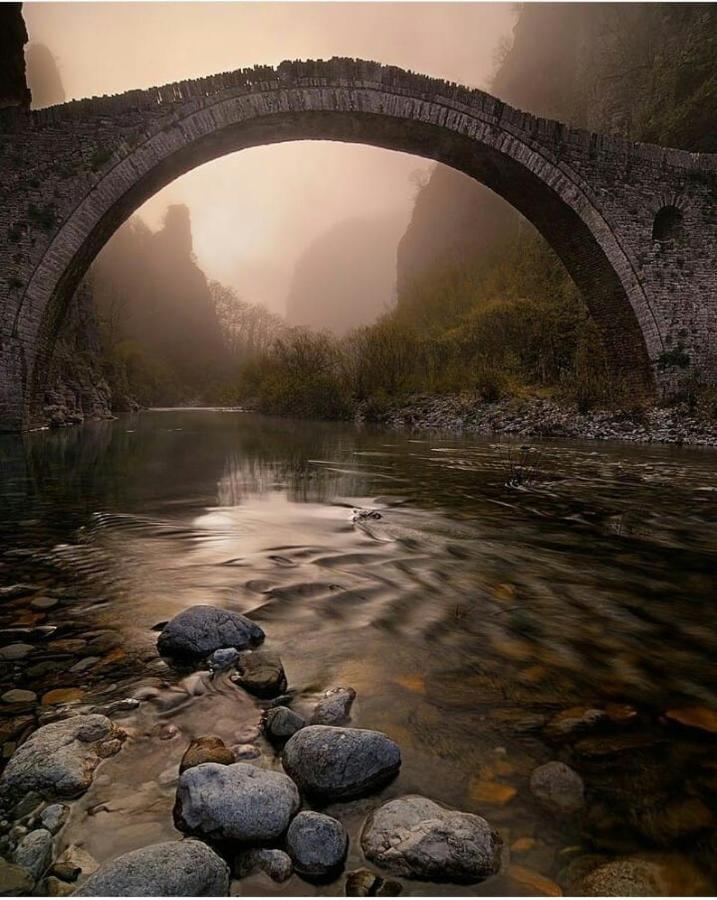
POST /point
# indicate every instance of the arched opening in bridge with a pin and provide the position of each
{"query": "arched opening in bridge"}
(335, 266)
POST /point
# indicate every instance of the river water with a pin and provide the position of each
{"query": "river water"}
(498, 586)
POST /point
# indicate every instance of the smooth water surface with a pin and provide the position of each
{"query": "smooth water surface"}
(498, 587)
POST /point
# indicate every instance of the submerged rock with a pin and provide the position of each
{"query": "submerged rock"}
(558, 787)
(281, 723)
(15, 881)
(326, 761)
(417, 838)
(261, 673)
(629, 877)
(208, 749)
(239, 802)
(317, 844)
(186, 868)
(275, 863)
(76, 860)
(200, 630)
(59, 759)
(365, 883)
(34, 852)
(334, 708)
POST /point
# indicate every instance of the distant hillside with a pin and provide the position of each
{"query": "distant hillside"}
(346, 277)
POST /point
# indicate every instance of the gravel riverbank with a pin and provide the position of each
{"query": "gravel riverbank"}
(539, 418)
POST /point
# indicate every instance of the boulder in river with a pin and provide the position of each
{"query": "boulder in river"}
(261, 673)
(186, 868)
(558, 788)
(338, 763)
(317, 844)
(209, 748)
(334, 708)
(417, 838)
(59, 759)
(239, 802)
(200, 630)
(280, 723)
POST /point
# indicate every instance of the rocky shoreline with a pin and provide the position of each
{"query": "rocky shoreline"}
(540, 418)
(259, 806)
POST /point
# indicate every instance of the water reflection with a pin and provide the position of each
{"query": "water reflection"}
(496, 588)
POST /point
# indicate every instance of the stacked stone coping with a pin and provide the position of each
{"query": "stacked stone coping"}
(341, 72)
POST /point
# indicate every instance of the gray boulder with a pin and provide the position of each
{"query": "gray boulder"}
(34, 852)
(417, 838)
(53, 817)
(223, 658)
(334, 708)
(200, 630)
(238, 802)
(558, 788)
(317, 844)
(338, 763)
(275, 863)
(185, 868)
(59, 759)
(281, 722)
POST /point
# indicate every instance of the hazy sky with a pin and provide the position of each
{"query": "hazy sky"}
(255, 211)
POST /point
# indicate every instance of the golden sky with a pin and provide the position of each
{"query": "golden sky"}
(254, 212)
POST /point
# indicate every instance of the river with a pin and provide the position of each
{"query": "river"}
(497, 586)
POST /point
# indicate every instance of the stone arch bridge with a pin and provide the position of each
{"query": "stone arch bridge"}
(635, 224)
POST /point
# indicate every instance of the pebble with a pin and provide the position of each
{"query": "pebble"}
(44, 602)
(275, 863)
(223, 658)
(15, 881)
(334, 708)
(207, 749)
(316, 843)
(54, 816)
(85, 663)
(558, 788)
(18, 695)
(281, 722)
(16, 651)
(261, 673)
(246, 751)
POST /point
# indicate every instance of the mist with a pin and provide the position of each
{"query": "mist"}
(255, 213)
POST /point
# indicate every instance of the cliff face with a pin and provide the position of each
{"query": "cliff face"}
(346, 278)
(13, 37)
(646, 71)
(43, 77)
